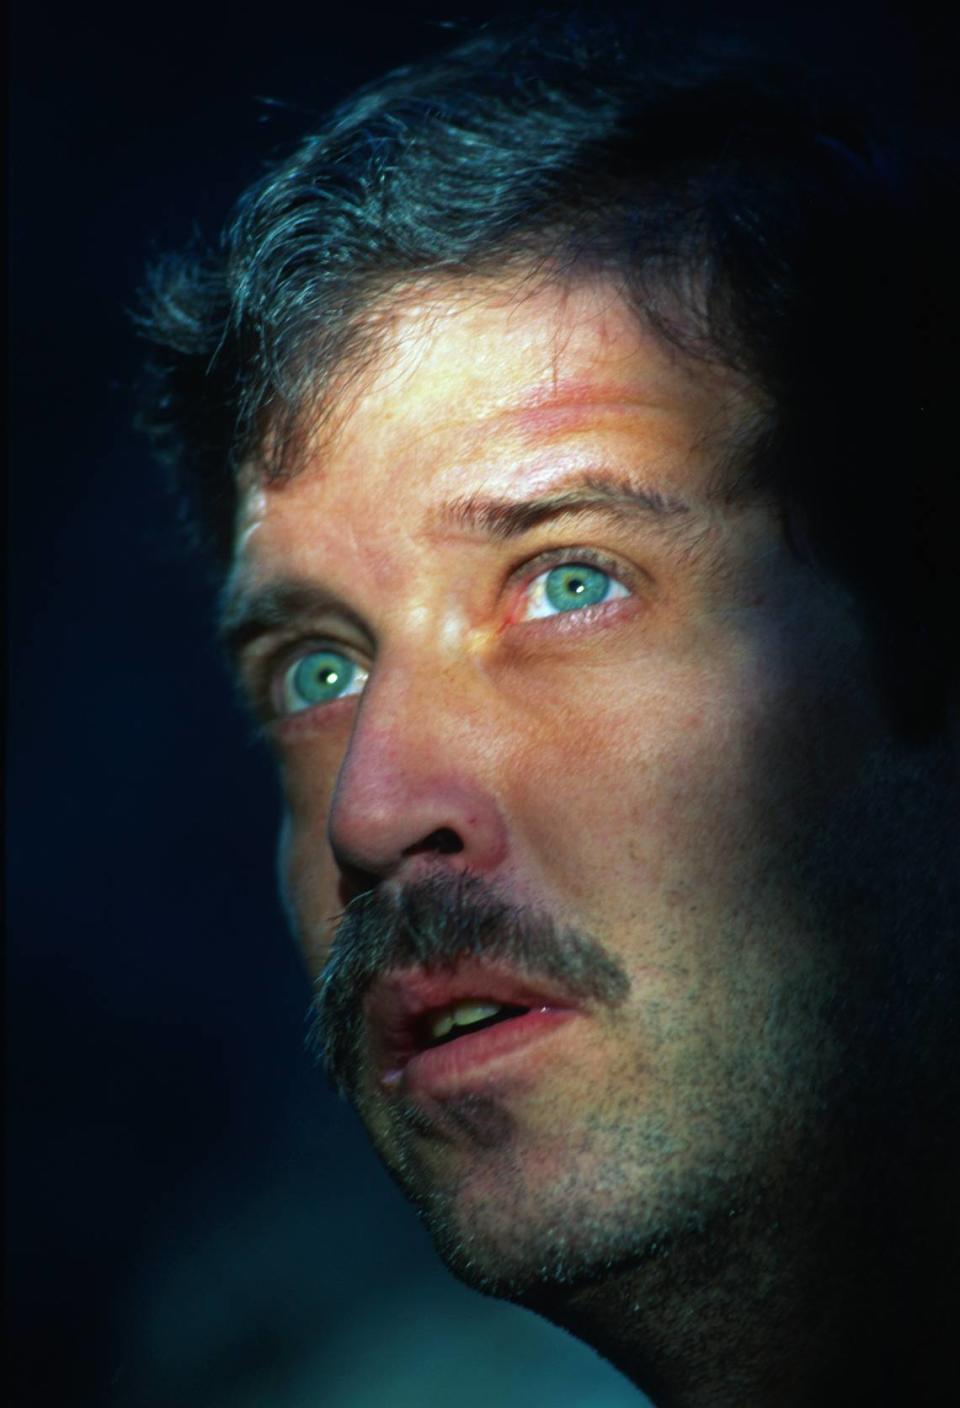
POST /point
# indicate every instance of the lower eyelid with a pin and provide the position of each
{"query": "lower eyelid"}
(571, 630)
(311, 717)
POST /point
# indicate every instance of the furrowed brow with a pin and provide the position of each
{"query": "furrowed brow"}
(502, 519)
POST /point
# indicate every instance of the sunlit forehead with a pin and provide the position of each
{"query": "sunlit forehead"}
(475, 362)
(482, 406)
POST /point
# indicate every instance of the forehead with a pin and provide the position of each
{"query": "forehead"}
(474, 384)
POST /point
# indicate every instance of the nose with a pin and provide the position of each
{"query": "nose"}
(411, 796)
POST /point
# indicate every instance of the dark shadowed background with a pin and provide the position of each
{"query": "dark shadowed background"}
(192, 1219)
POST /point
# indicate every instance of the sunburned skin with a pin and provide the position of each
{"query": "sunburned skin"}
(675, 752)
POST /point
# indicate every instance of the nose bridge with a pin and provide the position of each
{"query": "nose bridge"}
(415, 775)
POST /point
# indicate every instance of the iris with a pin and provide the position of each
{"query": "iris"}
(576, 584)
(319, 677)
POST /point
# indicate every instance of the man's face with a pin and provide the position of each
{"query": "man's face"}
(629, 711)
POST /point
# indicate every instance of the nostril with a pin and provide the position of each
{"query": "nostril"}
(443, 842)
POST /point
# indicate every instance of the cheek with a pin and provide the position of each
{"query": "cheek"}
(308, 877)
(675, 786)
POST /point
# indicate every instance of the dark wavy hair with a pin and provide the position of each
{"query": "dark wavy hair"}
(791, 220)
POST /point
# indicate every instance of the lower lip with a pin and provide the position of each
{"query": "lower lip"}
(445, 1070)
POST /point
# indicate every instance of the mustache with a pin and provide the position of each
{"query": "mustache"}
(432, 923)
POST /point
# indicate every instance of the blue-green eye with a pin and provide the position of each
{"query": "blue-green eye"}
(570, 587)
(318, 678)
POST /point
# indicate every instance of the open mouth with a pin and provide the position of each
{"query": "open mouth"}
(444, 1025)
(457, 1019)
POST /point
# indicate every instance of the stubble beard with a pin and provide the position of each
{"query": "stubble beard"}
(673, 1168)
(742, 1149)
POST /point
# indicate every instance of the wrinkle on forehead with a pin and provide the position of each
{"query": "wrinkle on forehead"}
(530, 330)
(472, 359)
(398, 330)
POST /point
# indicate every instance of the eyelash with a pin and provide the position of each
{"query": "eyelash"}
(273, 669)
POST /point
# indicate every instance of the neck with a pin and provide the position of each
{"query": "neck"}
(849, 1302)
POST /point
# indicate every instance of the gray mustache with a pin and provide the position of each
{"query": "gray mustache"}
(433, 923)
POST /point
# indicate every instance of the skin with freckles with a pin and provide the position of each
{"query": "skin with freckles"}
(685, 759)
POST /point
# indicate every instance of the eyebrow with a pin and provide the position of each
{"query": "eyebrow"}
(502, 519)
(247, 613)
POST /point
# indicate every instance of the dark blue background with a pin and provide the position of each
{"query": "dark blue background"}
(192, 1218)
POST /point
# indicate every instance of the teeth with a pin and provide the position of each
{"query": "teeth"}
(462, 1014)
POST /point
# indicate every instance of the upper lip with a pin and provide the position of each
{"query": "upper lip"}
(397, 1003)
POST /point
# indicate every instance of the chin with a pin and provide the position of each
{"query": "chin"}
(506, 1231)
